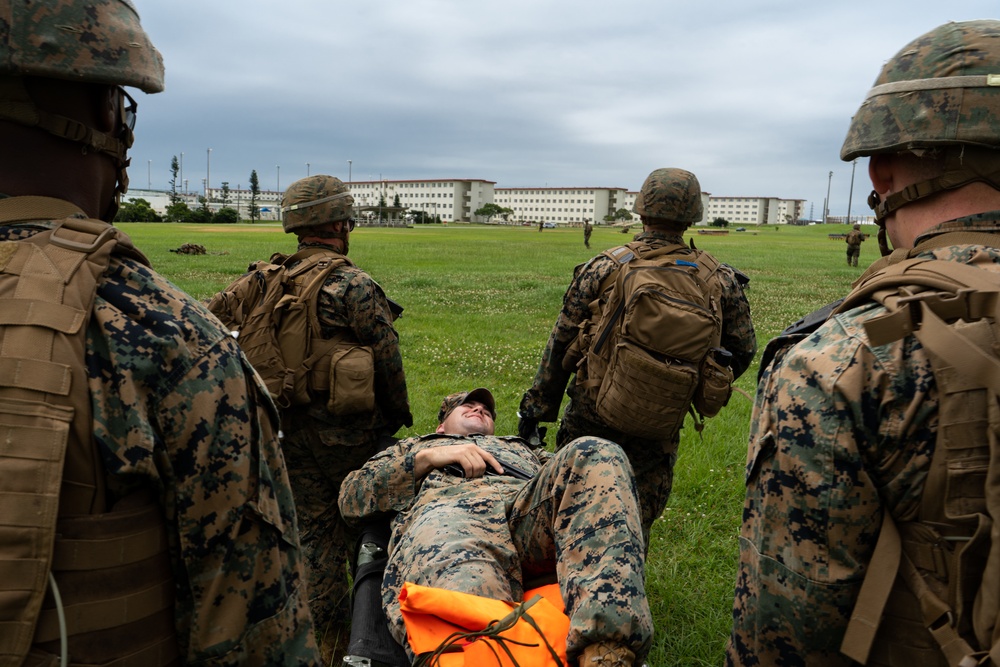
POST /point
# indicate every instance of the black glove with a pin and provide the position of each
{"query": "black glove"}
(527, 430)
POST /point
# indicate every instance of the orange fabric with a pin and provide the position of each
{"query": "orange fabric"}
(431, 615)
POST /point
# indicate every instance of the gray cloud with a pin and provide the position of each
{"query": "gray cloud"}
(754, 97)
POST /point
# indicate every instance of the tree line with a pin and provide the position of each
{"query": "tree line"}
(140, 210)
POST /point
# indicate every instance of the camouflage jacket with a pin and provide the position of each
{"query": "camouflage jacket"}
(840, 430)
(351, 300)
(386, 484)
(176, 408)
(542, 400)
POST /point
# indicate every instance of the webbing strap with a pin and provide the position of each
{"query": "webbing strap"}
(105, 614)
(31, 312)
(73, 554)
(874, 593)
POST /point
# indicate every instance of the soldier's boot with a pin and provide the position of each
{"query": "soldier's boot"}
(603, 654)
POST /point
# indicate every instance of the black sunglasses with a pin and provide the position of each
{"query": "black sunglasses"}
(128, 107)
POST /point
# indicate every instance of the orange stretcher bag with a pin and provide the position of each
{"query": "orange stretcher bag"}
(452, 629)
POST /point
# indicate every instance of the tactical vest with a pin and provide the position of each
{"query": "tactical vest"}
(932, 589)
(273, 312)
(76, 578)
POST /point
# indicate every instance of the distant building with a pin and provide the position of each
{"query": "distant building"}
(754, 210)
(454, 200)
(268, 201)
(457, 200)
(563, 205)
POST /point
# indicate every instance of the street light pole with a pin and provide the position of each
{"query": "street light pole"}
(349, 179)
(307, 169)
(826, 206)
(208, 172)
(182, 172)
(277, 168)
(149, 178)
(850, 196)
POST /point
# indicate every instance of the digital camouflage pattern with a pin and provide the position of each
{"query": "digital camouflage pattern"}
(577, 518)
(321, 448)
(898, 116)
(670, 194)
(840, 429)
(99, 41)
(652, 460)
(177, 409)
(315, 200)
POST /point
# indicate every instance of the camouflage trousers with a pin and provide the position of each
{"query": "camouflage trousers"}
(577, 518)
(316, 468)
(853, 253)
(652, 462)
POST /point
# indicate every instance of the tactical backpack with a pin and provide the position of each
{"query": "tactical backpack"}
(650, 352)
(932, 589)
(272, 312)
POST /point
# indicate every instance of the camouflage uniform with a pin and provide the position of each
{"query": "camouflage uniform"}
(588, 229)
(577, 517)
(844, 431)
(176, 409)
(839, 430)
(652, 460)
(320, 448)
(854, 240)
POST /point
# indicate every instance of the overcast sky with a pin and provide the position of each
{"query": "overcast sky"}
(753, 96)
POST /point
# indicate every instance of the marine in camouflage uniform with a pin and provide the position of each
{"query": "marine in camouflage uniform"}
(843, 430)
(854, 240)
(178, 415)
(669, 202)
(321, 447)
(588, 229)
(489, 534)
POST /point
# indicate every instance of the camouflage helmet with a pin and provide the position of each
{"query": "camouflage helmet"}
(670, 194)
(315, 200)
(941, 90)
(97, 41)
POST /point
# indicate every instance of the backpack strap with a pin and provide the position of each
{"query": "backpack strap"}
(921, 296)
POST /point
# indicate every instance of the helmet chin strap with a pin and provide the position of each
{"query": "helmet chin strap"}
(16, 105)
(876, 204)
(957, 172)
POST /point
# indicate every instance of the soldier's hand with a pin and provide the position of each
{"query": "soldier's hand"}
(472, 458)
(526, 428)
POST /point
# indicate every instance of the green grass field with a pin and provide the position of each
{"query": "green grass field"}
(480, 302)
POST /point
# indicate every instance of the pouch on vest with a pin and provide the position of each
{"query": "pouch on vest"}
(352, 380)
(715, 385)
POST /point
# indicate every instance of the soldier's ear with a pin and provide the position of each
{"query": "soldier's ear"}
(882, 171)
